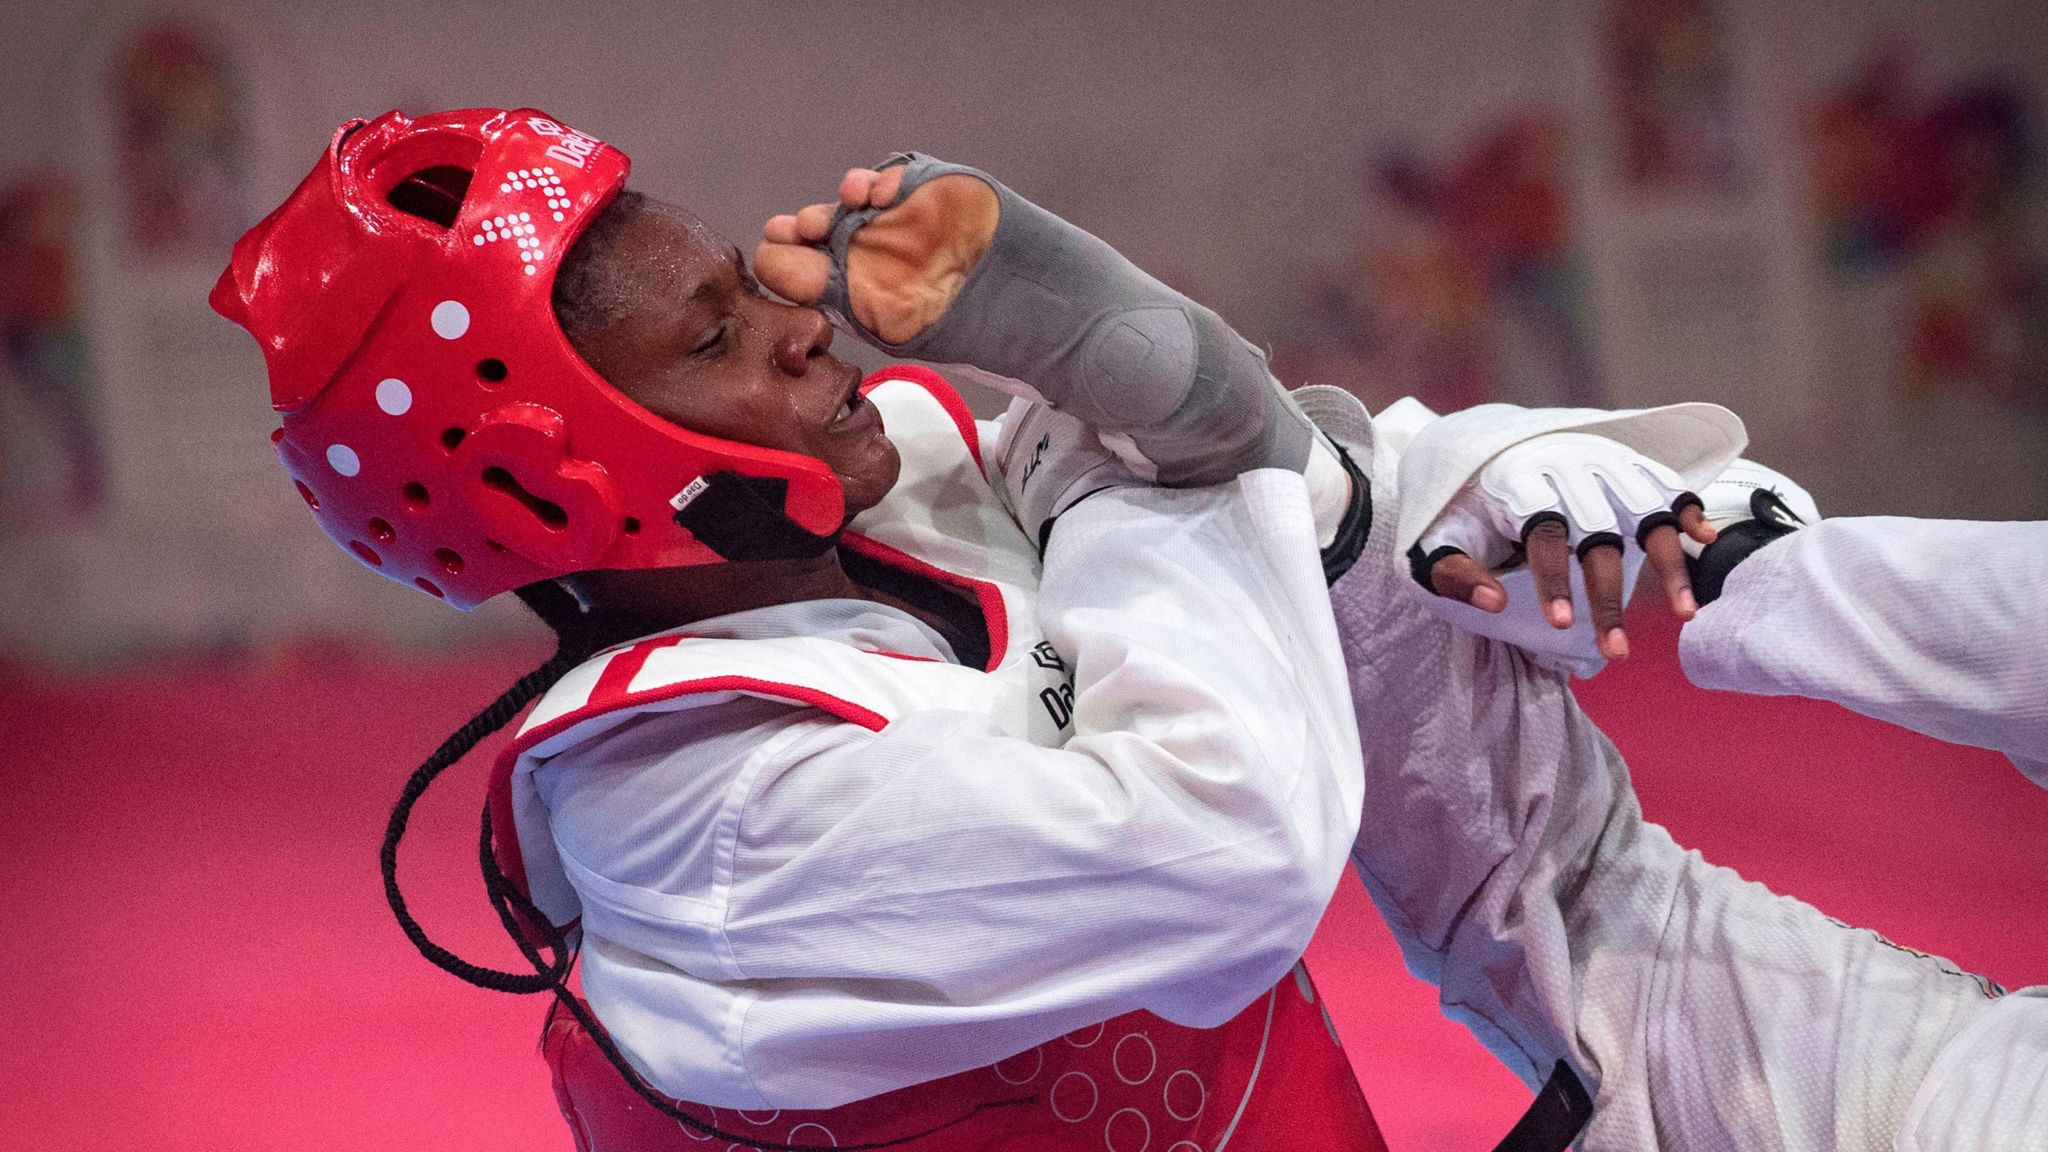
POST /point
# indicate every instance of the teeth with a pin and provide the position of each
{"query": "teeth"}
(846, 410)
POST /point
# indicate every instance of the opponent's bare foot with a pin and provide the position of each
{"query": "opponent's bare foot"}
(903, 268)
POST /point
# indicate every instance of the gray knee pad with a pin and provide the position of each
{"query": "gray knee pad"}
(1054, 314)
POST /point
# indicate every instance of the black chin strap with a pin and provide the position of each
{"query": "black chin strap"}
(744, 518)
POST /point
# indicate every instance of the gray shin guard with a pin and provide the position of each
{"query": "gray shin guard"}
(1055, 314)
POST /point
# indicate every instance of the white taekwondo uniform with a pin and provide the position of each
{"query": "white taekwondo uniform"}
(934, 867)
(1505, 847)
(1940, 626)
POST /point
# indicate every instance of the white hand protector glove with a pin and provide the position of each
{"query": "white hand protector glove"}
(1601, 490)
(1480, 481)
(1749, 505)
(1050, 462)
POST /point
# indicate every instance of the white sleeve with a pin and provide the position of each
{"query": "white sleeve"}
(862, 911)
(1940, 626)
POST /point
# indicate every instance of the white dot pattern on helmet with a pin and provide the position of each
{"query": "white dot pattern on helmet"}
(394, 396)
(1083, 1037)
(763, 1118)
(343, 459)
(450, 319)
(811, 1134)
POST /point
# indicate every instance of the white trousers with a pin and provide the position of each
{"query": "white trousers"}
(1503, 843)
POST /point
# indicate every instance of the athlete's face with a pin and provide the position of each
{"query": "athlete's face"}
(693, 339)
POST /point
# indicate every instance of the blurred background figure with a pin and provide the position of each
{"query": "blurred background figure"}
(1831, 217)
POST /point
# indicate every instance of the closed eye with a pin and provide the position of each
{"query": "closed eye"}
(716, 337)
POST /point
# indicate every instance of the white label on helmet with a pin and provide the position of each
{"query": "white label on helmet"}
(691, 491)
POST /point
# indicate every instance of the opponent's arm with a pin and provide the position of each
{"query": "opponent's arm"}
(1934, 625)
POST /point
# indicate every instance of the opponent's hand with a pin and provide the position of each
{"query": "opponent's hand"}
(1556, 498)
(903, 268)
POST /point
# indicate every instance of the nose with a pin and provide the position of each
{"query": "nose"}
(804, 333)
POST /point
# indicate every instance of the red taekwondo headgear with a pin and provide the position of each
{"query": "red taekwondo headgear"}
(435, 418)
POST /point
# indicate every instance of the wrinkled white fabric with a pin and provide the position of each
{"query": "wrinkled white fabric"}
(1988, 1092)
(1940, 626)
(1505, 847)
(781, 910)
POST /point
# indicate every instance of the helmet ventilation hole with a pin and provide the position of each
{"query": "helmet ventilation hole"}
(306, 494)
(432, 194)
(495, 547)
(449, 559)
(491, 370)
(552, 516)
(381, 530)
(415, 494)
(428, 586)
(368, 553)
(276, 434)
(451, 438)
(631, 527)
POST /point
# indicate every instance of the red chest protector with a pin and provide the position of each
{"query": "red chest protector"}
(1273, 1078)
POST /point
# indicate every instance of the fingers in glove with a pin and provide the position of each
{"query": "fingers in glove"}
(1659, 539)
(1600, 559)
(796, 272)
(814, 222)
(868, 188)
(1692, 518)
(1547, 542)
(1460, 577)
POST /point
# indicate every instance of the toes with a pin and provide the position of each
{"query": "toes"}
(795, 272)
(781, 230)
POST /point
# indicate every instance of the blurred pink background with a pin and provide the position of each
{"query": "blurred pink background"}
(1829, 216)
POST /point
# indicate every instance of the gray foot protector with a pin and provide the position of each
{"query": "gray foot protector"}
(1058, 315)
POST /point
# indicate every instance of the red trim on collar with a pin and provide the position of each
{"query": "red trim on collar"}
(994, 613)
(940, 391)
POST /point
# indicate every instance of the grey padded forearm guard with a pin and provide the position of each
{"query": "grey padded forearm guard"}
(1058, 315)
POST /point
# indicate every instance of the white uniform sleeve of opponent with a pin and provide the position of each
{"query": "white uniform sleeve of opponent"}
(1504, 846)
(823, 913)
(1940, 626)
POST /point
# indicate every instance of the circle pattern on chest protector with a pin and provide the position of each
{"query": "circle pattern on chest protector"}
(1068, 1095)
(1127, 1131)
(1125, 1058)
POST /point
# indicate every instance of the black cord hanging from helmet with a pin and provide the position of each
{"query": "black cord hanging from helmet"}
(553, 958)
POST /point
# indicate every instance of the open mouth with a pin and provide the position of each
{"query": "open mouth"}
(853, 404)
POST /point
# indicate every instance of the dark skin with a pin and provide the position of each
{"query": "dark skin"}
(906, 266)
(699, 344)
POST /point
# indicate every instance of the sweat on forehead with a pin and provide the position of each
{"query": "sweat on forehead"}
(638, 251)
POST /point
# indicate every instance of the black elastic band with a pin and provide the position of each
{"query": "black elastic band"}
(1349, 543)
(1651, 523)
(1530, 525)
(1554, 1119)
(1421, 563)
(1597, 540)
